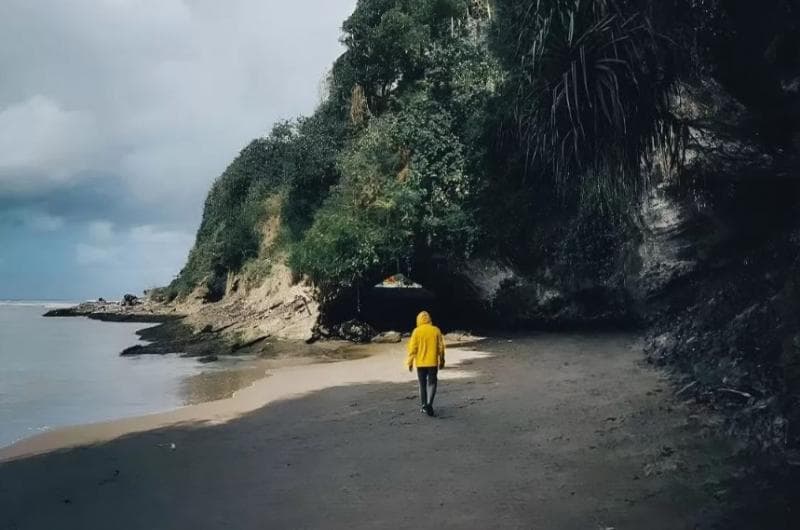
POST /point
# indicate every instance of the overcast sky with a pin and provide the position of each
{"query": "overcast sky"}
(116, 115)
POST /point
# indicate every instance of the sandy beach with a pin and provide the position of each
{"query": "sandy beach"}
(288, 378)
(546, 431)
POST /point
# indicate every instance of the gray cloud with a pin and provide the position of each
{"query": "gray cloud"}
(160, 92)
(124, 111)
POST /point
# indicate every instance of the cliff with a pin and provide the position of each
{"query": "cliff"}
(529, 169)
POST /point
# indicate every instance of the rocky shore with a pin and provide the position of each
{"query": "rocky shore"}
(171, 334)
(118, 312)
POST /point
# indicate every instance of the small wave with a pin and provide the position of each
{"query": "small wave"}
(30, 432)
(48, 304)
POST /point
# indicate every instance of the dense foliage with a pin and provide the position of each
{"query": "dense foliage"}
(387, 170)
(590, 89)
(459, 128)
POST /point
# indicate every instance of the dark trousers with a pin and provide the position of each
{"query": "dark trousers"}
(427, 384)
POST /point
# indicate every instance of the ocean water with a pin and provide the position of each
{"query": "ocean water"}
(64, 371)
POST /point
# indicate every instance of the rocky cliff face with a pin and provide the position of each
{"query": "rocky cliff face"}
(276, 307)
(711, 270)
(720, 269)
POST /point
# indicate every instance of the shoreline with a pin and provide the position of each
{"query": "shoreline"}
(538, 431)
(367, 363)
(166, 331)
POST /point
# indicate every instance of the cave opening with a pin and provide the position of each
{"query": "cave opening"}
(393, 304)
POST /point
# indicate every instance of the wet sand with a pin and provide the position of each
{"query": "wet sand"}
(280, 378)
(545, 432)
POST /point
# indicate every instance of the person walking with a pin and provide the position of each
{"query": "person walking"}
(426, 351)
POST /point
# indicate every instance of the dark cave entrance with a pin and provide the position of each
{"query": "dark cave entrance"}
(394, 303)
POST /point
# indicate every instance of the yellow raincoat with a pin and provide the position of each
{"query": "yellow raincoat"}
(426, 346)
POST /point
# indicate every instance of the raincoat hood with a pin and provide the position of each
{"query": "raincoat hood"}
(423, 318)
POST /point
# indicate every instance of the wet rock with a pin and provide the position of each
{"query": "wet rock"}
(133, 350)
(60, 312)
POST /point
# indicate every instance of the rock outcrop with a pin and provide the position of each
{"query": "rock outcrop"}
(720, 264)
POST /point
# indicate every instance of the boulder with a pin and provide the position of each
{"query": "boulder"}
(387, 337)
(130, 300)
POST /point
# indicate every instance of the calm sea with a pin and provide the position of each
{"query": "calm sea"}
(64, 371)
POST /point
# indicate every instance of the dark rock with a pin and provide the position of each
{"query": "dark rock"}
(61, 312)
(130, 300)
(133, 350)
(320, 332)
(355, 331)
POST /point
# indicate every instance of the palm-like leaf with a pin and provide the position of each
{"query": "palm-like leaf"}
(592, 92)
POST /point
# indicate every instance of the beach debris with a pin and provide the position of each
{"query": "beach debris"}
(387, 337)
(733, 391)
